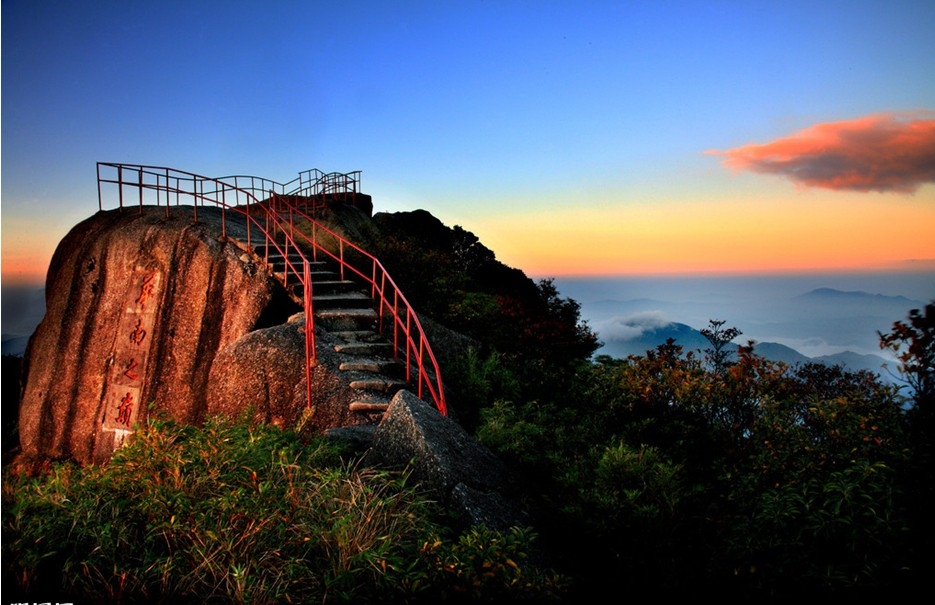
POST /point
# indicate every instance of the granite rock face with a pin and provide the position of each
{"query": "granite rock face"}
(262, 375)
(458, 471)
(138, 304)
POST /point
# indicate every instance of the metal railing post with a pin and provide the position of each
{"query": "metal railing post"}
(195, 187)
(224, 212)
(315, 242)
(421, 365)
(311, 351)
(100, 202)
(408, 345)
(168, 193)
(140, 185)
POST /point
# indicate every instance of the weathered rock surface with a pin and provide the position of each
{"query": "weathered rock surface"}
(137, 306)
(457, 471)
(263, 374)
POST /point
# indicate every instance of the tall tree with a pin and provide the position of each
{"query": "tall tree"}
(719, 337)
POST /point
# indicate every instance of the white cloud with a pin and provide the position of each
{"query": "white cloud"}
(631, 326)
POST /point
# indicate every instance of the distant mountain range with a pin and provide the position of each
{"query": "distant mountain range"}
(14, 345)
(22, 309)
(837, 303)
(840, 318)
(692, 340)
(855, 296)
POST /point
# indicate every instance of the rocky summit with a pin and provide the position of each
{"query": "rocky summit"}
(173, 315)
(155, 314)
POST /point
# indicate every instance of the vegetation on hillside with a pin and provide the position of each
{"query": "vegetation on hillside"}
(664, 474)
(226, 513)
(731, 474)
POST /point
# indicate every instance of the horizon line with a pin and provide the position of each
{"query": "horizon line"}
(922, 268)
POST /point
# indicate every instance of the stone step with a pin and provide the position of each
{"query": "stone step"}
(332, 286)
(366, 313)
(380, 349)
(360, 336)
(344, 300)
(382, 384)
(345, 320)
(323, 275)
(322, 287)
(363, 406)
(388, 368)
(276, 259)
(274, 253)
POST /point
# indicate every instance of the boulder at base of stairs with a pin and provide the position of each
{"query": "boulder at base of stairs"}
(453, 467)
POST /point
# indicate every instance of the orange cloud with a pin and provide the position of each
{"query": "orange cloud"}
(881, 152)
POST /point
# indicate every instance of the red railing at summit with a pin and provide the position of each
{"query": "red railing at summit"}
(405, 329)
(271, 211)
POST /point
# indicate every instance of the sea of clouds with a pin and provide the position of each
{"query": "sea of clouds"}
(814, 314)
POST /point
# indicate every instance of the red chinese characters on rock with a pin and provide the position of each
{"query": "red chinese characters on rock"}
(125, 390)
(138, 335)
(147, 290)
(125, 410)
(129, 369)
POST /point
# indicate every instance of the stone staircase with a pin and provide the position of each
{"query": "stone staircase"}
(346, 311)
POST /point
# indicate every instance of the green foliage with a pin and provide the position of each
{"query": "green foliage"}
(524, 435)
(634, 489)
(228, 513)
(913, 342)
(489, 566)
(481, 380)
(755, 480)
(747, 478)
(829, 531)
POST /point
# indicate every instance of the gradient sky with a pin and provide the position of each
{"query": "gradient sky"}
(570, 137)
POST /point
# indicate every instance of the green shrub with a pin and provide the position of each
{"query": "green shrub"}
(225, 513)
(634, 488)
(489, 566)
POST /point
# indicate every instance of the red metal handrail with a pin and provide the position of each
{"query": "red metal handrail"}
(243, 194)
(315, 182)
(391, 299)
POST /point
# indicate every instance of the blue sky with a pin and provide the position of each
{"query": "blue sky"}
(571, 137)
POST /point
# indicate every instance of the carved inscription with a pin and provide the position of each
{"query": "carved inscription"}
(131, 350)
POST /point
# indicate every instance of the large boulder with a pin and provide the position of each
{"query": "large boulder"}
(455, 469)
(138, 303)
(261, 377)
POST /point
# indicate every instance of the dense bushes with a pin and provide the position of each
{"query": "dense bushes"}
(758, 480)
(667, 472)
(226, 513)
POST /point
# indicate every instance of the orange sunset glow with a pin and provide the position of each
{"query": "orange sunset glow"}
(809, 231)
